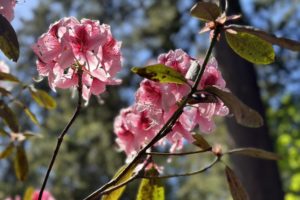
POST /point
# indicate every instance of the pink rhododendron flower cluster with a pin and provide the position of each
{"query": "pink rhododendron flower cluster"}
(46, 195)
(7, 9)
(156, 102)
(69, 45)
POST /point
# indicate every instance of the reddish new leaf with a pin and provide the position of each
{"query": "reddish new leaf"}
(236, 188)
(201, 142)
(253, 152)
(243, 114)
(206, 11)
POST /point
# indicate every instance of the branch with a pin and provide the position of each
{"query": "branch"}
(166, 128)
(135, 176)
(178, 154)
(63, 133)
(186, 174)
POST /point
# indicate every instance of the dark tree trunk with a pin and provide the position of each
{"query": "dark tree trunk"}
(261, 178)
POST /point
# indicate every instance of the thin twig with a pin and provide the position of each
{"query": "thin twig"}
(178, 154)
(135, 176)
(63, 133)
(165, 129)
(185, 174)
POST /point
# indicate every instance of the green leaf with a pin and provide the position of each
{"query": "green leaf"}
(29, 134)
(206, 11)
(251, 47)
(7, 151)
(283, 42)
(8, 40)
(31, 116)
(8, 77)
(43, 99)
(236, 188)
(253, 152)
(243, 114)
(116, 194)
(4, 92)
(201, 142)
(28, 193)
(150, 189)
(9, 117)
(160, 73)
(21, 164)
(3, 132)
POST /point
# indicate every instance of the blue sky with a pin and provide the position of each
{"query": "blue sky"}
(23, 9)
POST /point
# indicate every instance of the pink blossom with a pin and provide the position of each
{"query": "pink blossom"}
(5, 69)
(46, 195)
(70, 45)
(7, 8)
(157, 102)
(151, 96)
(133, 129)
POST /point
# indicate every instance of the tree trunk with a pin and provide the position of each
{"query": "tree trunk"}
(260, 177)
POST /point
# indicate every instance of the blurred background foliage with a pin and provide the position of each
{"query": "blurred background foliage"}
(88, 157)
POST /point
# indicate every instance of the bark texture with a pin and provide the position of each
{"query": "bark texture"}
(261, 178)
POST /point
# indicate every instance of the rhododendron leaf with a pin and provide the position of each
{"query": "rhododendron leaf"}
(201, 142)
(9, 117)
(160, 73)
(7, 151)
(243, 114)
(283, 42)
(29, 134)
(3, 132)
(4, 92)
(31, 116)
(43, 99)
(8, 40)
(251, 47)
(21, 163)
(236, 188)
(151, 189)
(8, 77)
(116, 194)
(253, 152)
(28, 193)
(206, 11)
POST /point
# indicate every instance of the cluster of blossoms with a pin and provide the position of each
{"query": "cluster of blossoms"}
(46, 196)
(7, 8)
(71, 46)
(156, 102)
